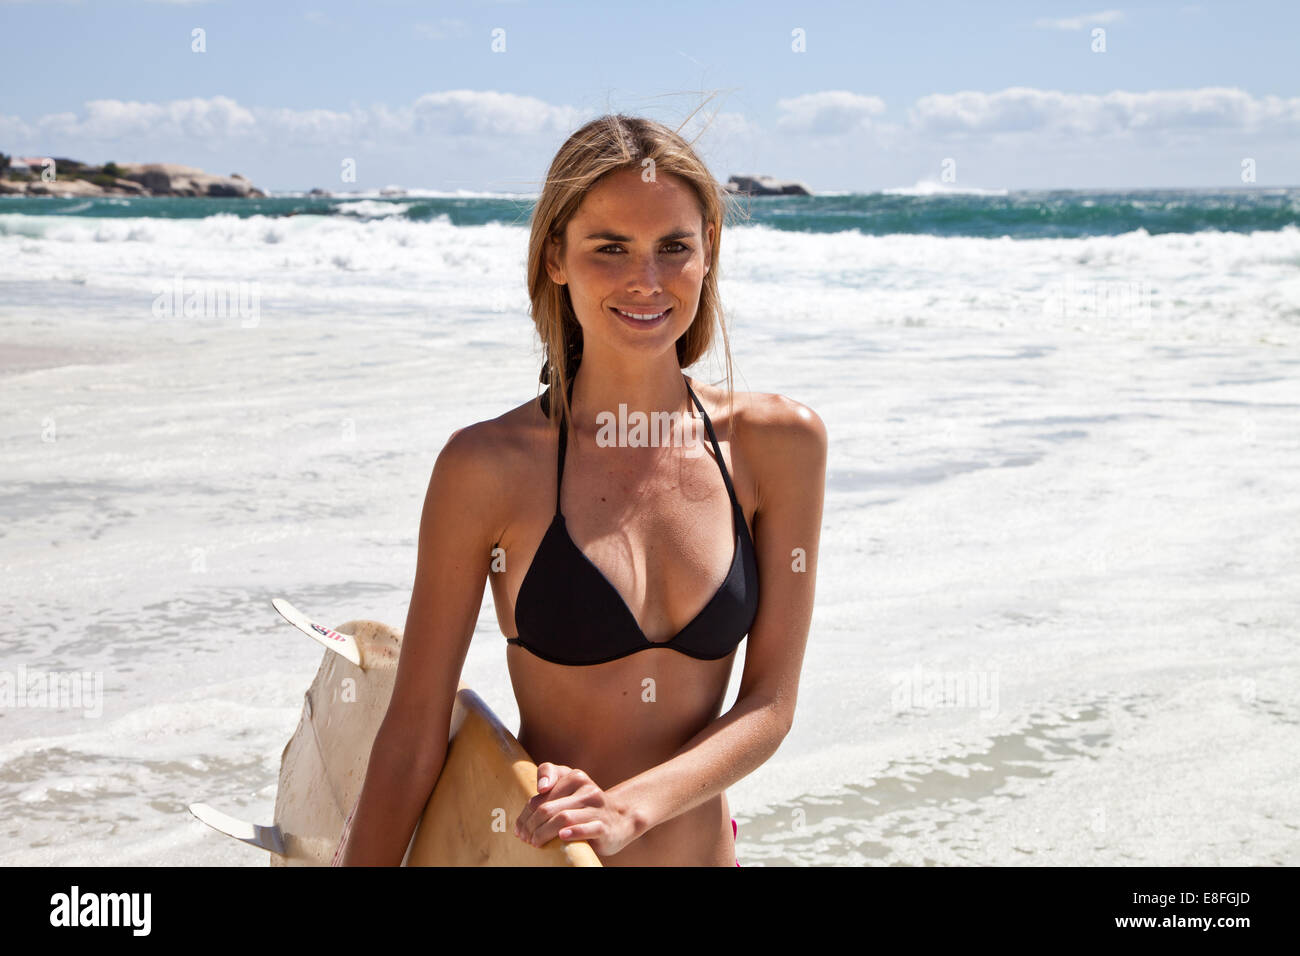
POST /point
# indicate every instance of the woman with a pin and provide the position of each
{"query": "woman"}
(624, 575)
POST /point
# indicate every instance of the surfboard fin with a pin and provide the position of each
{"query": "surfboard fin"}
(343, 644)
(266, 838)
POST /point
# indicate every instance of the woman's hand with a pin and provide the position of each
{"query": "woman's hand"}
(570, 805)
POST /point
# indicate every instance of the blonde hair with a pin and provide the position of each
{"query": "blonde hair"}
(602, 146)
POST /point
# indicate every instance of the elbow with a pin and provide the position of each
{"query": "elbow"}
(775, 716)
(418, 769)
(407, 776)
(780, 715)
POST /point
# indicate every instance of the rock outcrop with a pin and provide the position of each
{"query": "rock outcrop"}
(169, 179)
(72, 178)
(765, 186)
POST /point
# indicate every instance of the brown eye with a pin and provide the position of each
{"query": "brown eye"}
(683, 247)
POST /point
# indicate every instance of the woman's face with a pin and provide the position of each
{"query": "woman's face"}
(634, 246)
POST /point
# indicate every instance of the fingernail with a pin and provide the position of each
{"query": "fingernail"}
(544, 781)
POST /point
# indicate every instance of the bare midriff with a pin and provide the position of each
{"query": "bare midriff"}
(618, 719)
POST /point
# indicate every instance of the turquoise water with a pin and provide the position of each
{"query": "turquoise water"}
(1018, 214)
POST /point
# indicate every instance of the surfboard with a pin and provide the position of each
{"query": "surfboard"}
(486, 779)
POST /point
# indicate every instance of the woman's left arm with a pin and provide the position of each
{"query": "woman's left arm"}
(787, 442)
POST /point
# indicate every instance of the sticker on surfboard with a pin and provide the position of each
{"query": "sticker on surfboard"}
(343, 644)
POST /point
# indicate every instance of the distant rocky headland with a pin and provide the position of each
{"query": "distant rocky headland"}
(766, 186)
(28, 176)
(52, 176)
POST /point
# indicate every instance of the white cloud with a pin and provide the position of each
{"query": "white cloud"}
(1079, 22)
(313, 127)
(720, 127)
(13, 129)
(452, 113)
(104, 120)
(487, 113)
(828, 113)
(1025, 110)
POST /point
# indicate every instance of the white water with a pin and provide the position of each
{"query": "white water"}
(1091, 507)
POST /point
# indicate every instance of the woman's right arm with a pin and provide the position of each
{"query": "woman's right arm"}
(457, 530)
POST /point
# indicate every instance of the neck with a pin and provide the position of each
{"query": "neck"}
(601, 386)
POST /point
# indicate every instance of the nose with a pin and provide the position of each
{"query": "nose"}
(643, 277)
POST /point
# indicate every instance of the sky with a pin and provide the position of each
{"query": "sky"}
(841, 96)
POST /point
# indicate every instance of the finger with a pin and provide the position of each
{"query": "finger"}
(575, 816)
(568, 794)
(547, 774)
(581, 831)
(569, 782)
(525, 822)
(541, 826)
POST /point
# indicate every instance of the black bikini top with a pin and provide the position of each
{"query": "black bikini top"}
(568, 612)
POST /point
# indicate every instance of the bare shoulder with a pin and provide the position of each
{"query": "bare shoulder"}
(488, 445)
(769, 417)
(483, 460)
(782, 442)
(472, 453)
(785, 441)
(780, 421)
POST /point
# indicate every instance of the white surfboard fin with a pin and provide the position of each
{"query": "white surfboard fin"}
(266, 838)
(342, 644)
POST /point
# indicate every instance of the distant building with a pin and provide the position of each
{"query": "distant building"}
(28, 164)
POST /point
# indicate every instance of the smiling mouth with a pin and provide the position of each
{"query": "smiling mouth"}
(646, 317)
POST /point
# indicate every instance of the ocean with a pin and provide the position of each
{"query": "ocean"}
(1058, 591)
